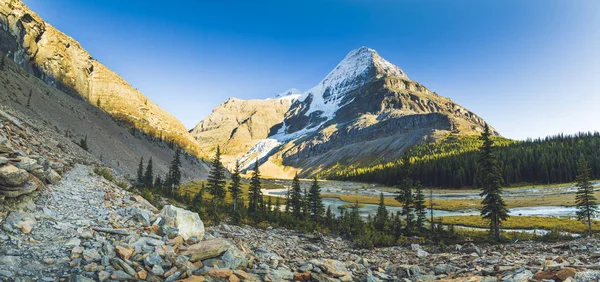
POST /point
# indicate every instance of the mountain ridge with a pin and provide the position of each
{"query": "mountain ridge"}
(365, 109)
(61, 61)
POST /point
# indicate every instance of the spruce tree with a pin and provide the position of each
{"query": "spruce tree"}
(405, 196)
(296, 197)
(255, 199)
(489, 179)
(140, 173)
(149, 175)
(431, 210)
(305, 211)
(158, 184)
(315, 204)
(198, 201)
(585, 199)
(420, 208)
(174, 174)
(216, 184)
(235, 187)
(381, 219)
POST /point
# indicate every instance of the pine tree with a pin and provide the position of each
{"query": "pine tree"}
(585, 199)
(140, 173)
(489, 179)
(431, 210)
(405, 196)
(296, 197)
(235, 187)
(174, 174)
(198, 201)
(381, 219)
(149, 175)
(158, 184)
(29, 99)
(305, 211)
(216, 184)
(420, 208)
(315, 204)
(255, 201)
(328, 217)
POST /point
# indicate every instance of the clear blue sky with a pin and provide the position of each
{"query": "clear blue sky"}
(530, 68)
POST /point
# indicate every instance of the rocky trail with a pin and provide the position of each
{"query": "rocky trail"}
(85, 228)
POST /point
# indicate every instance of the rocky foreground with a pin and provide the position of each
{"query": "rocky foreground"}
(87, 229)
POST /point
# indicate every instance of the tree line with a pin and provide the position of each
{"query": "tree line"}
(452, 163)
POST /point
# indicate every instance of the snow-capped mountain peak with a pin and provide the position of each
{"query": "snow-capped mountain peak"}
(358, 67)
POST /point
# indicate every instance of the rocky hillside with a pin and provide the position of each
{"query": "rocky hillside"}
(40, 122)
(85, 228)
(60, 61)
(365, 111)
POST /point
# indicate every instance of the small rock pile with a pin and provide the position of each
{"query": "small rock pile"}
(22, 169)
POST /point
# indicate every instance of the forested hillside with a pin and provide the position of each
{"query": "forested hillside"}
(451, 163)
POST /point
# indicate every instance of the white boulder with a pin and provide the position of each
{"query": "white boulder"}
(188, 223)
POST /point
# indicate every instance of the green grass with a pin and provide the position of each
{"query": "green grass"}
(194, 187)
(523, 222)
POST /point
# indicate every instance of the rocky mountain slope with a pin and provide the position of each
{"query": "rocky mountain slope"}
(365, 111)
(38, 121)
(60, 61)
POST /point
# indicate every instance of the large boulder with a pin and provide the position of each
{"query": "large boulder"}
(206, 249)
(31, 184)
(188, 223)
(11, 175)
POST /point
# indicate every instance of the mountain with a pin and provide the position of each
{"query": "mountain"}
(365, 111)
(49, 82)
(60, 61)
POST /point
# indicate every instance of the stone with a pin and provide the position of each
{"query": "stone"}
(52, 176)
(304, 276)
(220, 272)
(153, 259)
(11, 175)
(188, 223)
(27, 164)
(333, 267)
(73, 242)
(523, 276)
(587, 276)
(124, 252)
(140, 216)
(142, 274)
(10, 261)
(444, 269)
(32, 184)
(103, 275)
(416, 248)
(206, 249)
(194, 278)
(86, 235)
(157, 270)
(91, 255)
(120, 275)
(233, 258)
(565, 273)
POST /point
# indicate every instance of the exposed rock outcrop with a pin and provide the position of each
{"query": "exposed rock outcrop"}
(62, 62)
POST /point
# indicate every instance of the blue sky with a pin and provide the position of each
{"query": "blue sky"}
(530, 68)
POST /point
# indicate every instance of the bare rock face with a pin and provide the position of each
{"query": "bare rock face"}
(365, 111)
(12, 176)
(188, 223)
(61, 61)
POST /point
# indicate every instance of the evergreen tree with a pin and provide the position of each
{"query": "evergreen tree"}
(158, 184)
(329, 217)
(198, 202)
(29, 98)
(305, 211)
(174, 174)
(489, 179)
(296, 197)
(431, 210)
(380, 221)
(216, 184)
(405, 196)
(585, 199)
(420, 208)
(140, 173)
(149, 175)
(315, 204)
(235, 188)
(255, 201)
